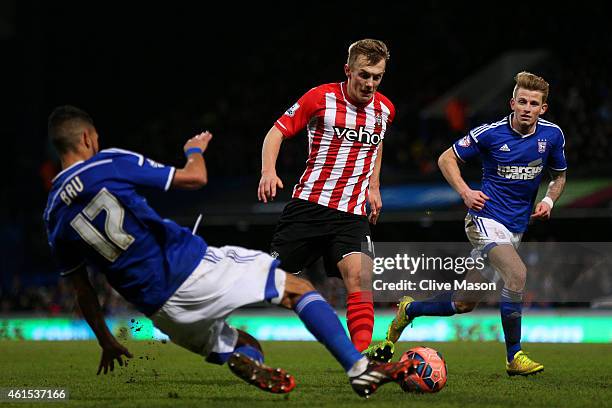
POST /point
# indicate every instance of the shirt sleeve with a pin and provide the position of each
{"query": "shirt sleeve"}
(556, 160)
(141, 171)
(466, 148)
(387, 105)
(391, 115)
(299, 114)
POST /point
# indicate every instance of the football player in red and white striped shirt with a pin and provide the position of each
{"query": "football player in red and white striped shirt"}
(326, 217)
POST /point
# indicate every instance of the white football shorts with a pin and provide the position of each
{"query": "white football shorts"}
(486, 233)
(226, 279)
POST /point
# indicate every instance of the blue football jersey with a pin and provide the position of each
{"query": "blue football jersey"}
(95, 217)
(512, 167)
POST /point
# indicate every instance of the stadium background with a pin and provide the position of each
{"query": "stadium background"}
(152, 76)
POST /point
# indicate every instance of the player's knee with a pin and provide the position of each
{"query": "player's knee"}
(295, 288)
(464, 307)
(301, 286)
(522, 274)
(518, 279)
(353, 282)
(356, 279)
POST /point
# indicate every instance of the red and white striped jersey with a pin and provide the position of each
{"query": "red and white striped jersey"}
(343, 142)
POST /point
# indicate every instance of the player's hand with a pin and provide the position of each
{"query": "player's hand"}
(110, 353)
(267, 186)
(375, 205)
(200, 141)
(474, 199)
(541, 212)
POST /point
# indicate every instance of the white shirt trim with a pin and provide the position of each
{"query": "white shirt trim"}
(535, 129)
(117, 150)
(79, 171)
(65, 170)
(457, 153)
(170, 178)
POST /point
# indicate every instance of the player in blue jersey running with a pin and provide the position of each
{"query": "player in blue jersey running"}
(514, 152)
(97, 221)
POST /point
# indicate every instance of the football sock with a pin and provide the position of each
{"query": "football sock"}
(251, 352)
(511, 306)
(221, 358)
(321, 320)
(360, 318)
(439, 305)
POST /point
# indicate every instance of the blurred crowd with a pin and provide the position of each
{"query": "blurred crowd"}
(146, 95)
(57, 298)
(581, 103)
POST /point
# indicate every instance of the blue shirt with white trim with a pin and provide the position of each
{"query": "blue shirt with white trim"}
(512, 166)
(95, 217)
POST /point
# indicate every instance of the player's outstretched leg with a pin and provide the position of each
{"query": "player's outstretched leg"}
(321, 320)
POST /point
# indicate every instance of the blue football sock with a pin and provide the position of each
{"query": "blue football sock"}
(250, 351)
(439, 305)
(511, 306)
(221, 358)
(321, 320)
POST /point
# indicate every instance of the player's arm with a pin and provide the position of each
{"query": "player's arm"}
(555, 189)
(194, 175)
(90, 308)
(374, 188)
(448, 162)
(287, 126)
(269, 154)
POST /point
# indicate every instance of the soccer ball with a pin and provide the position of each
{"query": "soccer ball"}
(430, 375)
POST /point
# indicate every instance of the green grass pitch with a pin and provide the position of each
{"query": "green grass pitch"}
(164, 375)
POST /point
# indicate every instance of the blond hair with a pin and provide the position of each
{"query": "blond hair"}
(531, 82)
(372, 50)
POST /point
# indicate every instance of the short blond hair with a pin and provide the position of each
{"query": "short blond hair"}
(372, 50)
(531, 82)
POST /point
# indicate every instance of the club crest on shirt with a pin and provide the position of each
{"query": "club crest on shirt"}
(541, 145)
(291, 111)
(378, 118)
(465, 142)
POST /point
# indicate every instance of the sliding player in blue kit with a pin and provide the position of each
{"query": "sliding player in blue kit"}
(96, 220)
(514, 153)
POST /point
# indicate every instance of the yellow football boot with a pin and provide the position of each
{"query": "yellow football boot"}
(523, 365)
(400, 321)
(381, 352)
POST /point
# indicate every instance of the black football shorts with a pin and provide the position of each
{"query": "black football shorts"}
(307, 231)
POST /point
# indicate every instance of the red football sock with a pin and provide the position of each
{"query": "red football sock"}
(360, 318)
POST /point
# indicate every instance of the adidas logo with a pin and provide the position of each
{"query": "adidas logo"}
(504, 148)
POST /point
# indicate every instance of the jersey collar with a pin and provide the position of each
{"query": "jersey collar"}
(66, 170)
(516, 131)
